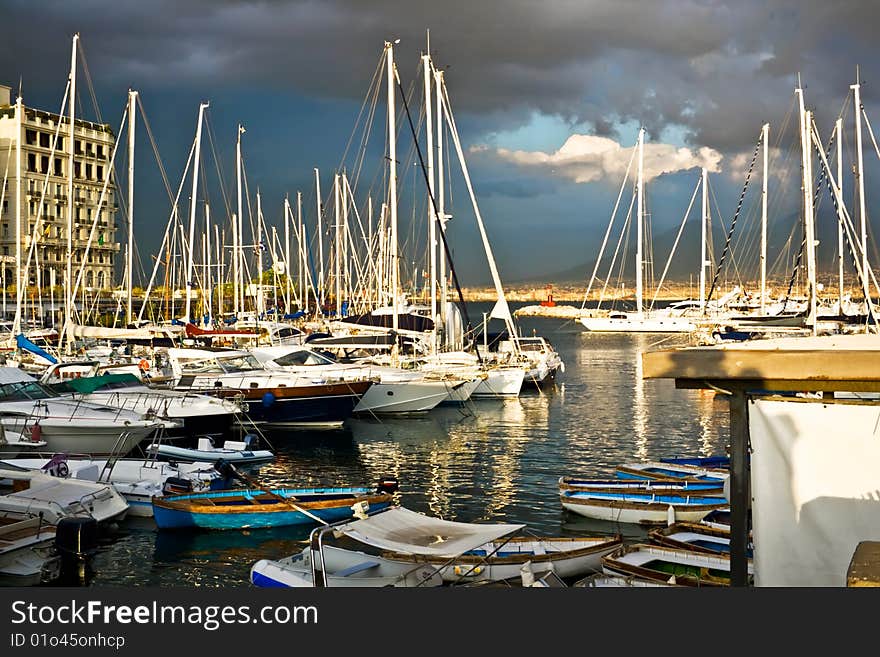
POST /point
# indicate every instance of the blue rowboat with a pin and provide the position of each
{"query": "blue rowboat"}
(643, 508)
(699, 461)
(660, 470)
(688, 486)
(260, 508)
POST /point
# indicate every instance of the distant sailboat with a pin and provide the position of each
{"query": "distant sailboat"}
(640, 321)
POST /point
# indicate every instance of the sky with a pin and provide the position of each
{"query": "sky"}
(548, 98)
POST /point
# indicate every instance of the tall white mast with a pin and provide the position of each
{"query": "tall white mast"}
(838, 127)
(129, 268)
(432, 217)
(301, 241)
(237, 236)
(441, 209)
(209, 276)
(809, 227)
(639, 210)
(703, 223)
(192, 213)
(286, 254)
(764, 138)
(337, 246)
(320, 243)
(259, 259)
(346, 273)
(860, 171)
(392, 191)
(68, 314)
(19, 119)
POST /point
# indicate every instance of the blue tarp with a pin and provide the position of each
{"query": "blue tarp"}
(23, 343)
(296, 315)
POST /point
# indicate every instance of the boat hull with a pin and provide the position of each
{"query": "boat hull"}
(638, 325)
(639, 509)
(403, 397)
(501, 383)
(253, 509)
(327, 404)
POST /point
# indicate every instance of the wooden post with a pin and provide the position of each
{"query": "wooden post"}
(739, 488)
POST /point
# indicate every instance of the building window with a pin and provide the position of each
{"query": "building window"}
(32, 162)
(58, 170)
(100, 172)
(33, 208)
(44, 164)
(5, 205)
(5, 230)
(30, 137)
(100, 149)
(44, 140)
(77, 171)
(78, 147)
(89, 171)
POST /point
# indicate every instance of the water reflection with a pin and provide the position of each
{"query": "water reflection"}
(493, 460)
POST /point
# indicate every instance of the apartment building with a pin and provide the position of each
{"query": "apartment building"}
(34, 198)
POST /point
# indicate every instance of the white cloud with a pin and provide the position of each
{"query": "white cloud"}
(588, 158)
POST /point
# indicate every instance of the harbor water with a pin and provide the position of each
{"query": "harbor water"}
(490, 460)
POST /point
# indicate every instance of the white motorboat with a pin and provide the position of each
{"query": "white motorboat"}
(118, 387)
(394, 391)
(34, 492)
(27, 551)
(68, 425)
(273, 397)
(137, 480)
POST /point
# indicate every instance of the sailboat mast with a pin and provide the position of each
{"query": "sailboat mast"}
(639, 212)
(192, 213)
(237, 237)
(809, 227)
(287, 253)
(337, 246)
(860, 171)
(208, 277)
(320, 242)
(392, 190)
(838, 127)
(301, 249)
(438, 85)
(765, 137)
(68, 314)
(432, 219)
(259, 260)
(704, 220)
(132, 99)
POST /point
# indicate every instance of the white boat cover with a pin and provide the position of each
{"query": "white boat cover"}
(146, 333)
(14, 375)
(409, 532)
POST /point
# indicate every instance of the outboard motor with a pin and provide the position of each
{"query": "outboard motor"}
(387, 485)
(177, 486)
(76, 540)
(228, 474)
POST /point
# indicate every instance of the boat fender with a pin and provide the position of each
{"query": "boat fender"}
(670, 515)
(268, 399)
(36, 432)
(388, 485)
(143, 365)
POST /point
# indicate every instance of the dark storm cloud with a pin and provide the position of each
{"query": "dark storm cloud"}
(719, 69)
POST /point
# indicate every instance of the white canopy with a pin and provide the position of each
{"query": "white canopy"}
(402, 530)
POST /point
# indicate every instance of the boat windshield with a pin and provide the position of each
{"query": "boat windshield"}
(24, 391)
(304, 357)
(242, 363)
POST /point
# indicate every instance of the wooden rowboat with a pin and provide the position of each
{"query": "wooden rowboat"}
(695, 536)
(664, 564)
(661, 470)
(692, 487)
(259, 508)
(642, 508)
